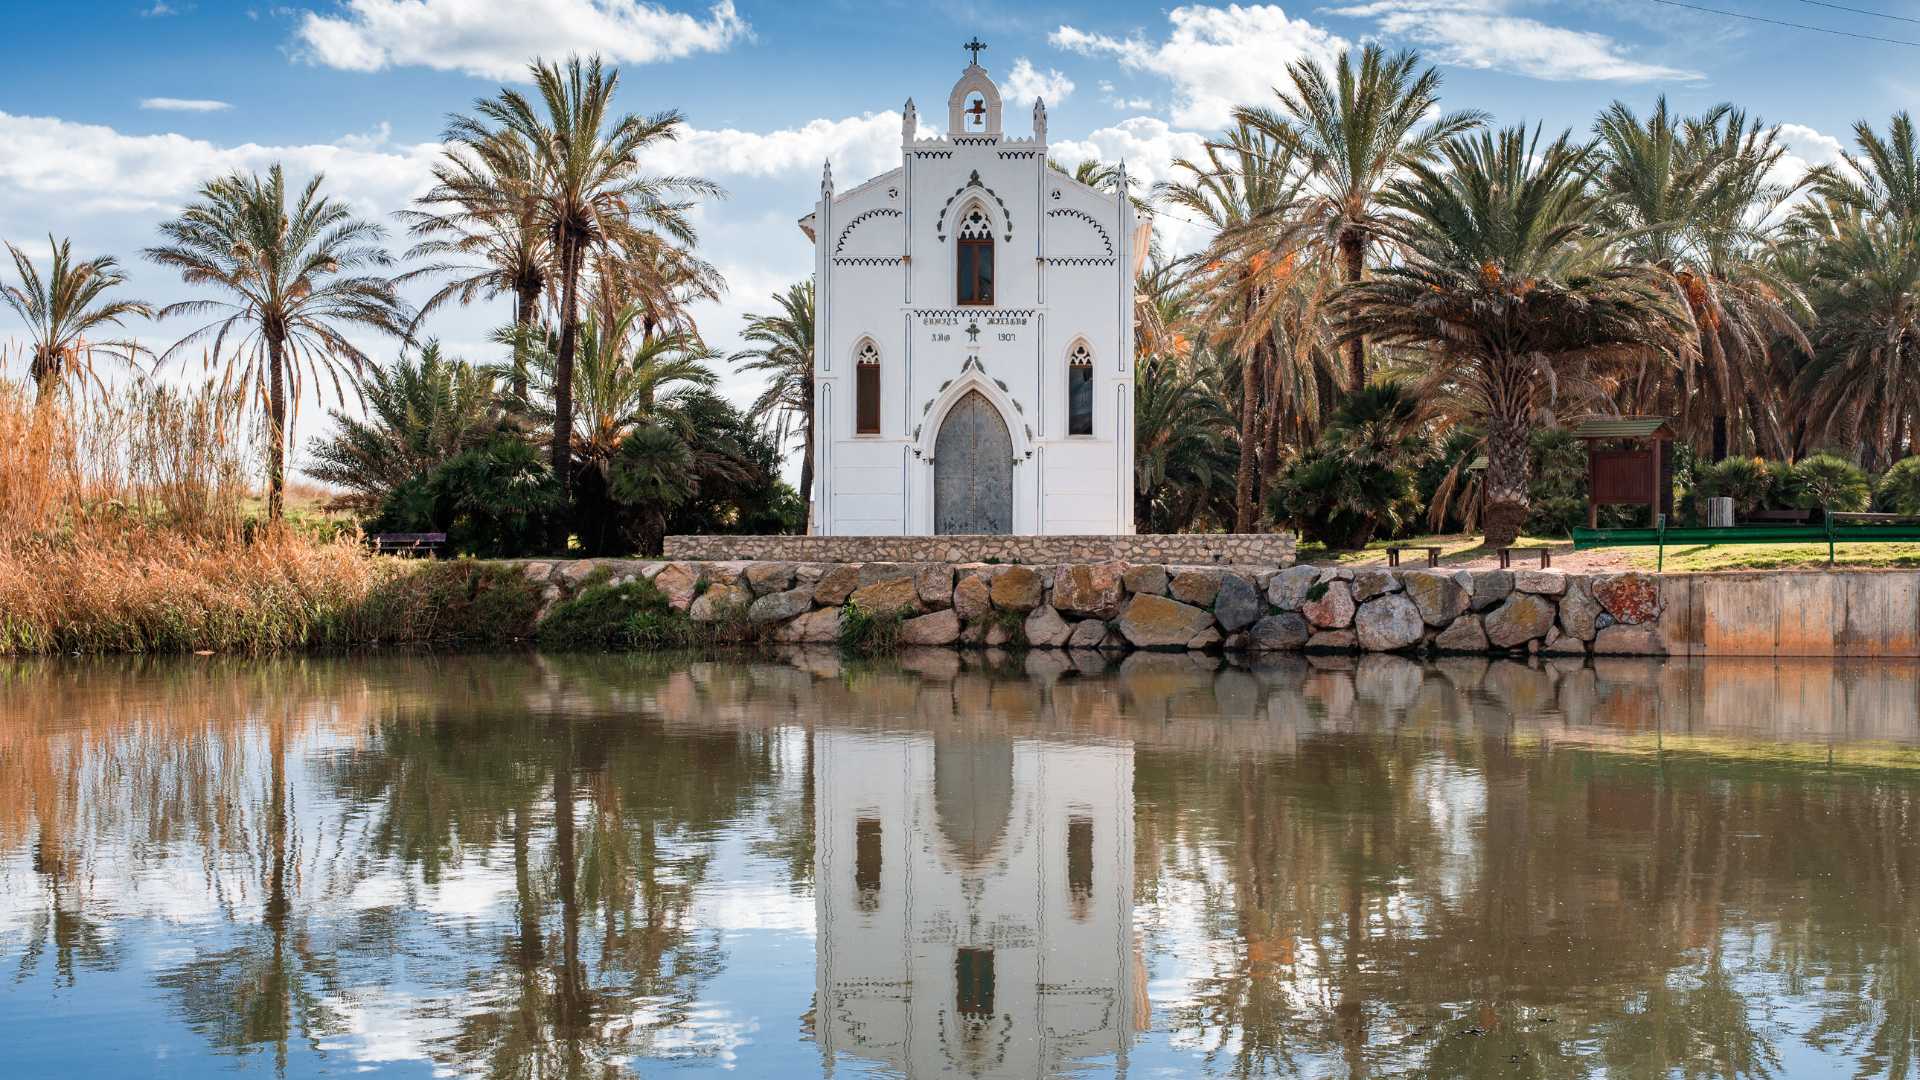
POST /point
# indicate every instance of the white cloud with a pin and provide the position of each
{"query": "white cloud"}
(158, 10)
(174, 104)
(1805, 149)
(1025, 82)
(1149, 146)
(496, 38)
(1215, 57)
(859, 147)
(1481, 34)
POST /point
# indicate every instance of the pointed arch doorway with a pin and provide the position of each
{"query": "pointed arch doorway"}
(973, 470)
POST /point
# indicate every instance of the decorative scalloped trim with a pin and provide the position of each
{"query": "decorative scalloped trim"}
(884, 211)
(1089, 219)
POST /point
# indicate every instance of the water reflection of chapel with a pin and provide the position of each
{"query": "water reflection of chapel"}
(974, 897)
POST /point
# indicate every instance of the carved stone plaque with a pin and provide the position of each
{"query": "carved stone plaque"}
(973, 470)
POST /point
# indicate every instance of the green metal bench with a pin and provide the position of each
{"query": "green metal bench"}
(1837, 529)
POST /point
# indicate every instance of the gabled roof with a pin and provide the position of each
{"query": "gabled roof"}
(1623, 427)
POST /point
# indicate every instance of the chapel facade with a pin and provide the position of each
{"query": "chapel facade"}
(973, 354)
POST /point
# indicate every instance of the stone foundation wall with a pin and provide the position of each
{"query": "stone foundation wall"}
(1200, 549)
(1125, 605)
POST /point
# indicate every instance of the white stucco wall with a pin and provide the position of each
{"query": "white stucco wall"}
(885, 268)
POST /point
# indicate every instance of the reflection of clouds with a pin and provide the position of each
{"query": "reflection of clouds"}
(705, 1031)
(1456, 803)
(752, 905)
(377, 1025)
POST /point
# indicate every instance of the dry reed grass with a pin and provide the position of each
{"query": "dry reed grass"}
(124, 527)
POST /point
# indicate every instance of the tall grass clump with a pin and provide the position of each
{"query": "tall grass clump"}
(129, 523)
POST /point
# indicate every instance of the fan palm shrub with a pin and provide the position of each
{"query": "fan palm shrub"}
(1360, 479)
(1749, 482)
(291, 277)
(1828, 483)
(1511, 293)
(420, 412)
(1899, 487)
(64, 310)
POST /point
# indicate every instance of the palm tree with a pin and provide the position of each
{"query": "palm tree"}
(1261, 300)
(1184, 455)
(1692, 199)
(421, 412)
(1511, 293)
(589, 190)
(781, 345)
(292, 283)
(61, 310)
(1353, 133)
(480, 223)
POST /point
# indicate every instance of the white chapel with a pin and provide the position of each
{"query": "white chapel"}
(973, 358)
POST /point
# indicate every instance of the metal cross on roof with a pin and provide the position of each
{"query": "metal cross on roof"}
(974, 47)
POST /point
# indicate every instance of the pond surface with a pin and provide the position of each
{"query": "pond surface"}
(612, 866)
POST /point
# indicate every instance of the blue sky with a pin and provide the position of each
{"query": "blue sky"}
(111, 112)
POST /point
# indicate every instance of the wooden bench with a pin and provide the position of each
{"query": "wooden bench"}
(1546, 556)
(1433, 554)
(428, 544)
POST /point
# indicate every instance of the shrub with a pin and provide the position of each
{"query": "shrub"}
(1899, 487)
(1557, 491)
(1339, 502)
(1829, 483)
(1749, 482)
(869, 633)
(456, 602)
(631, 615)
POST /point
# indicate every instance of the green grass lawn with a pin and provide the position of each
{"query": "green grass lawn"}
(1700, 558)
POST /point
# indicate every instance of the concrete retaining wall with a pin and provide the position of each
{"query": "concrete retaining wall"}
(1120, 605)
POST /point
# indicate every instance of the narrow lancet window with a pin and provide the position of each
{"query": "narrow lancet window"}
(866, 390)
(975, 268)
(1080, 390)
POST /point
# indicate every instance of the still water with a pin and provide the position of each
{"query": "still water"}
(943, 866)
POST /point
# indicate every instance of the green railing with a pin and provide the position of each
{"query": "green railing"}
(1836, 529)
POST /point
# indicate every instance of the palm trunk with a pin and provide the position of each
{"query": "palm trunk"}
(1245, 512)
(1273, 387)
(1509, 463)
(562, 453)
(276, 426)
(1353, 258)
(525, 297)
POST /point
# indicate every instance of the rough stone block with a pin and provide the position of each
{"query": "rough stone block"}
(1521, 618)
(1094, 591)
(1087, 635)
(1387, 623)
(894, 596)
(718, 602)
(1629, 639)
(1542, 582)
(1288, 588)
(1439, 596)
(1195, 586)
(1046, 629)
(972, 598)
(769, 577)
(1578, 609)
(1146, 578)
(1156, 622)
(1490, 587)
(781, 606)
(1287, 630)
(939, 628)
(1371, 582)
(1016, 588)
(1630, 598)
(816, 627)
(1332, 641)
(934, 584)
(1334, 609)
(1464, 635)
(1237, 603)
(836, 585)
